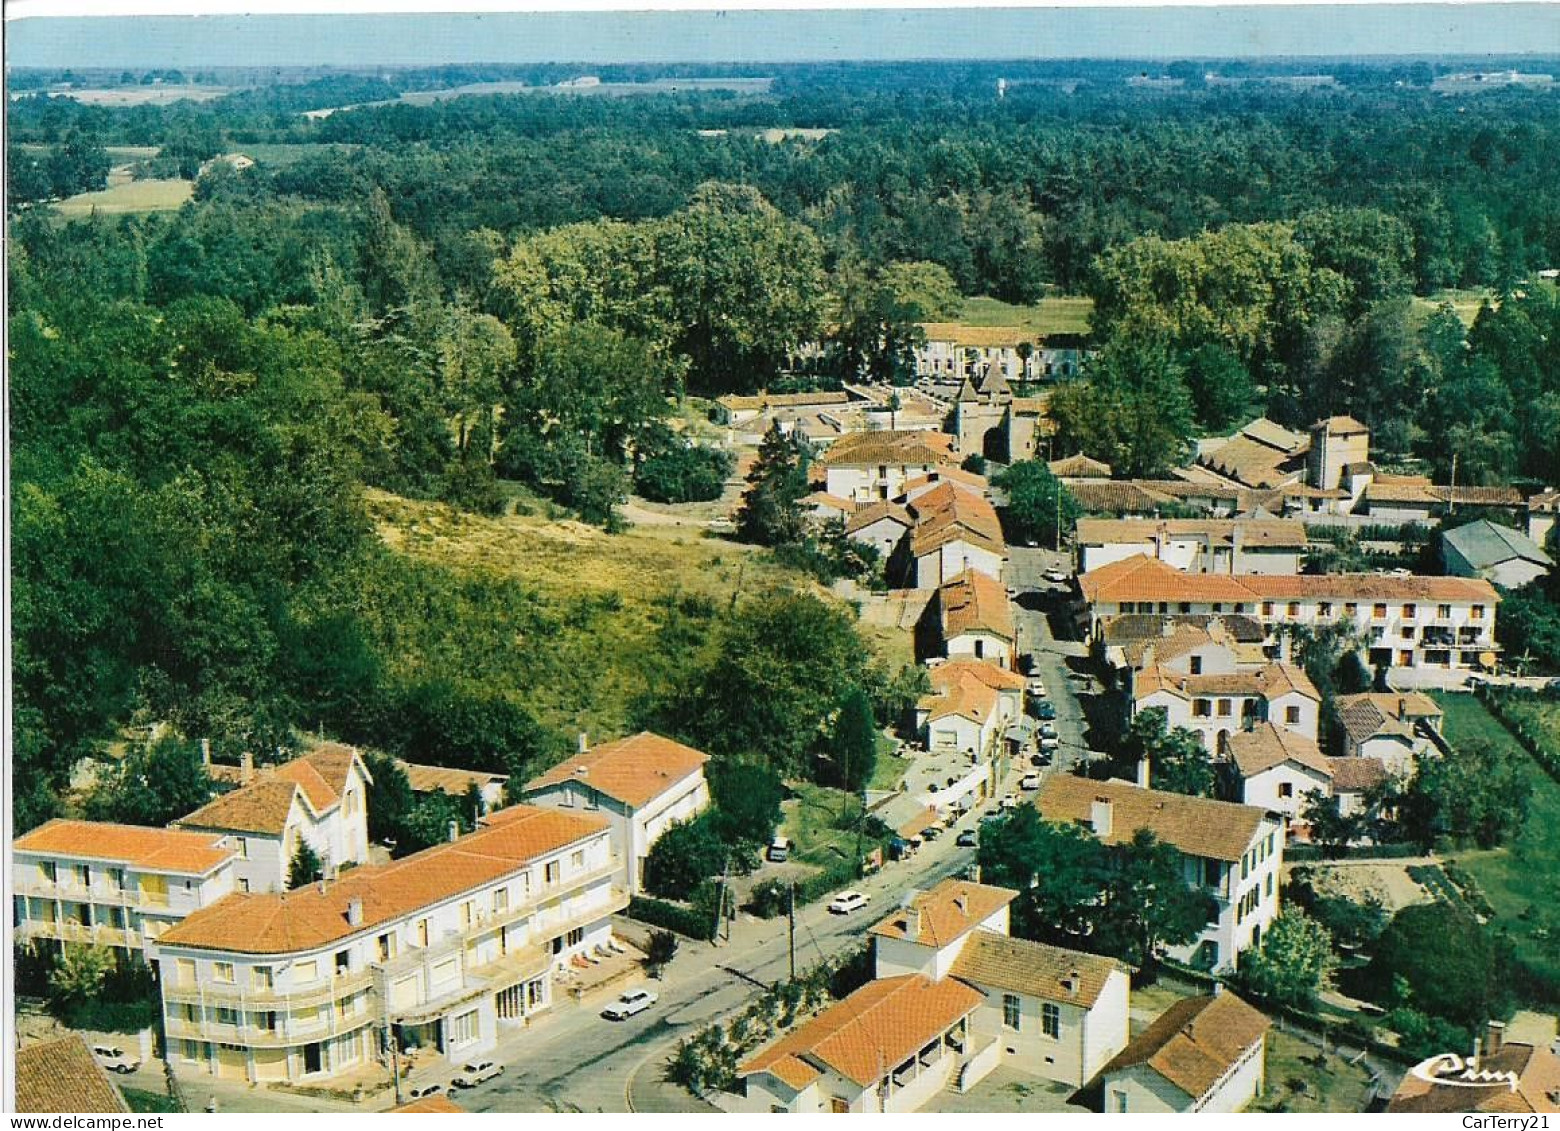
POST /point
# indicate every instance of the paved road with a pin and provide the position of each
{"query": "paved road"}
(1025, 573)
(574, 1060)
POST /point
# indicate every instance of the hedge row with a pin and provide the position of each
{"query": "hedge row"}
(770, 898)
(1302, 852)
(660, 913)
(1530, 739)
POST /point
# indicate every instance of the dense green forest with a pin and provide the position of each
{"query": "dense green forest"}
(435, 299)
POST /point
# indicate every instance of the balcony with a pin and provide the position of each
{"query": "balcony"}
(241, 997)
(290, 1032)
(94, 934)
(517, 966)
(100, 894)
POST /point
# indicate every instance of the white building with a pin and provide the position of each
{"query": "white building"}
(1203, 1054)
(1412, 623)
(1497, 553)
(1234, 853)
(642, 785)
(879, 525)
(963, 723)
(439, 950)
(111, 885)
(970, 617)
(457, 783)
(875, 466)
(1396, 727)
(953, 996)
(1272, 546)
(955, 531)
(1217, 705)
(320, 799)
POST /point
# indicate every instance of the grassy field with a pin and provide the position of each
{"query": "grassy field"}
(605, 598)
(148, 95)
(134, 196)
(1062, 315)
(1465, 302)
(812, 823)
(1521, 880)
(888, 771)
(1300, 1078)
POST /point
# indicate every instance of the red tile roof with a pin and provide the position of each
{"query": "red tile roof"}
(1194, 1042)
(633, 770)
(63, 1076)
(951, 909)
(145, 849)
(1217, 830)
(974, 602)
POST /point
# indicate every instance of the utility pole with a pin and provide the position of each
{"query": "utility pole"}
(720, 903)
(1451, 502)
(1058, 484)
(791, 928)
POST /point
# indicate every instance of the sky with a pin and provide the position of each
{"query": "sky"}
(741, 36)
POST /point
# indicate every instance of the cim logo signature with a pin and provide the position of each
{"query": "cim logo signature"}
(1452, 1071)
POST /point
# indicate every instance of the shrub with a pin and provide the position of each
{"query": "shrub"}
(674, 917)
(683, 475)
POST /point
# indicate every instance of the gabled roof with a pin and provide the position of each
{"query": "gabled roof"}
(309, 918)
(948, 475)
(865, 516)
(448, 779)
(1050, 973)
(870, 1033)
(144, 849)
(964, 696)
(866, 449)
(1275, 436)
(1258, 750)
(826, 501)
(1142, 578)
(1485, 544)
(1271, 534)
(974, 602)
(781, 400)
(63, 1076)
(262, 805)
(1178, 639)
(1340, 426)
(978, 337)
(1374, 713)
(1537, 1071)
(1252, 462)
(1079, 466)
(946, 514)
(1131, 628)
(947, 673)
(1356, 775)
(1197, 826)
(949, 910)
(633, 770)
(1194, 1042)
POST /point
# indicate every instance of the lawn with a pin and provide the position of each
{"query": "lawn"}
(1521, 880)
(1465, 302)
(812, 823)
(888, 771)
(134, 196)
(1301, 1079)
(1060, 315)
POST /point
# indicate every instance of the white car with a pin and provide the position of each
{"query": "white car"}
(846, 902)
(115, 1059)
(1049, 743)
(1037, 688)
(1030, 781)
(423, 1091)
(1010, 801)
(476, 1073)
(634, 1001)
(1056, 576)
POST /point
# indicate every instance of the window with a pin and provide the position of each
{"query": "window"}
(576, 936)
(192, 1050)
(1051, 1021)
(1409, 611)
(550, 873)
(243, 848)
(422, 932)
(384, 945)
(243, 883)
(1476, 613)
(1379, 610)
(838, 1106)
(1200, 708)
(1119, 1102)
(1218, 606)
(1010, 1011)
(222, 972)
(1213, 872)
(47, 868)
(266, 1021)
(260, 979)
(1186, 606)
(184, 971)
(1443, 612)
(1292, 714)
(343, 961)
(1286, 789)
(1269, 842)
(226, 1015)
(1245, 866)
(501, 900)
(463, 1029)
(1267, 608)
(1408, 632)
(116, 878)
(577, 860)
(1267, 888)
(306, 971)
(82, 875)
(1196, 665)
(1294, 608)
(1324, 609)
(468, 911)
(1225, 708)
(1350, 609)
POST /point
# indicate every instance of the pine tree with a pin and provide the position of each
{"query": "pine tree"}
(771, 513)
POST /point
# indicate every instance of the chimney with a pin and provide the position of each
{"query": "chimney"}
(205, 751)
(454, 830)
(1100, 816)
(1494, 1037)
(961, 903)
(1074, 983)
(1144, 776)
(912, 923)
(355, 912)
(584, 742)
(246, 767)
(1167, 627)
(1235, 547)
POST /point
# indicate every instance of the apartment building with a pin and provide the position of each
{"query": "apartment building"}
(438, 950)
(119, 886)
(642, 785)
(320, 799)
(1232, 852)
(1408, 622)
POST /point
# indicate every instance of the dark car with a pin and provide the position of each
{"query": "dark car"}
(1045, 711)
(967, 839)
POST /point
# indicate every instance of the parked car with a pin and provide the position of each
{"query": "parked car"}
(423, 1091)
(477, 1072)
(116, 1059)
(1010, 801)
(1050, 743)
(931, 832)
(1046, 711)
(1047, 730)
(779, 850)
(1030, 781)
(988, 818)
(1037, 687)
(846, 902)
(1057, 576)
(630, 1003)
(1041, 759)
(966, 839)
